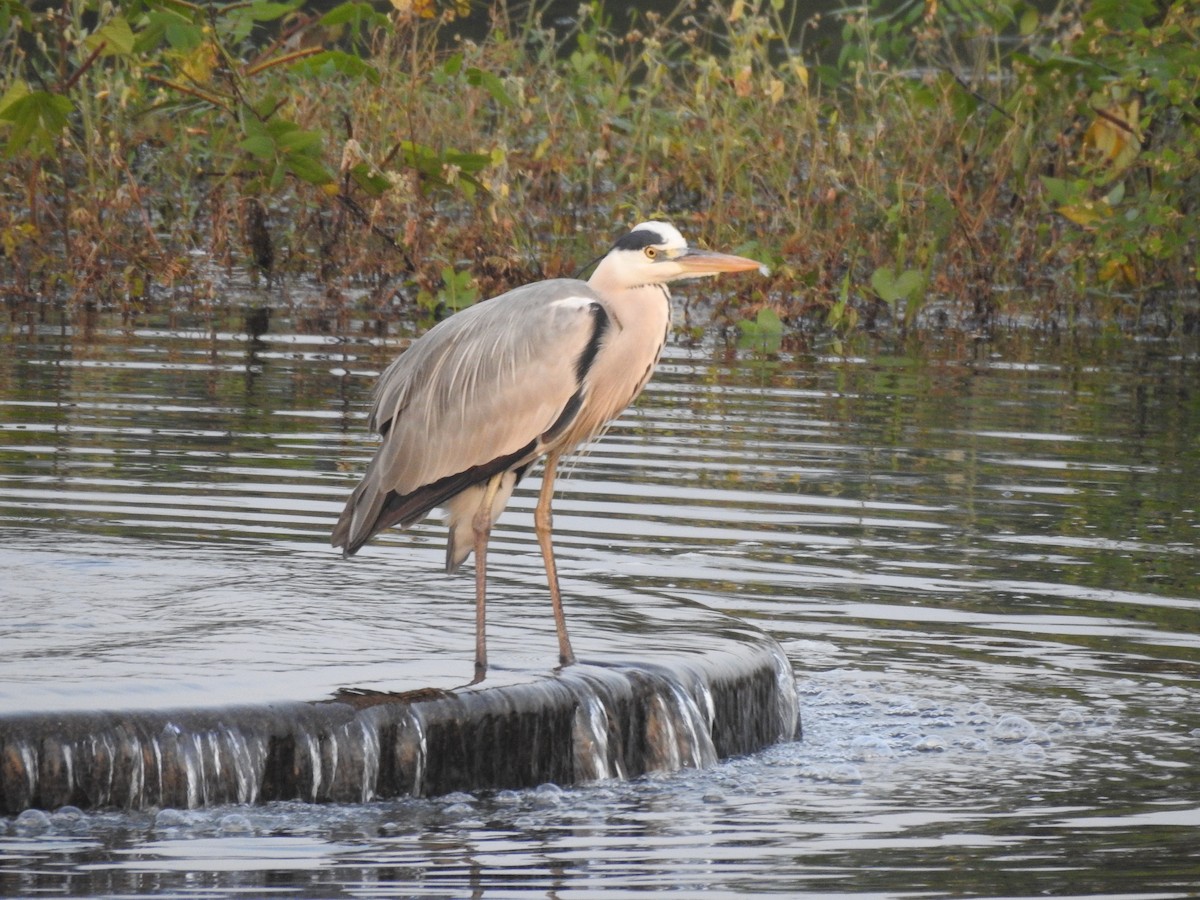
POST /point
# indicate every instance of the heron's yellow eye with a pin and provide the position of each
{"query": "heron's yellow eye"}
(651, 252)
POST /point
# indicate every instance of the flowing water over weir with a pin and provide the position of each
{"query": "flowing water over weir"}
(589, 723)
(974, 569)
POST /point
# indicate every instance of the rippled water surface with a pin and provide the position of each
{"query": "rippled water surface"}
(981, 560)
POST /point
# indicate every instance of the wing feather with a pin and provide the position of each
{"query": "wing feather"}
(478, 390)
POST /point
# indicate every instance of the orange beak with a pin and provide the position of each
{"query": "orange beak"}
(708, 262)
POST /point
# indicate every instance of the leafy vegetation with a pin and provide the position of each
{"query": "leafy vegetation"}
(954, 165)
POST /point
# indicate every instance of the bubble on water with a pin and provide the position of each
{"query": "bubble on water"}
(979, 714)
(1195, 732)
(866, 747)
(835, 773)
(972, 744)
(547, 795)
(930, 744)
(1040, 736)
(33, 821)
(458, 810)
(809, 688)
(1071, 717)
(845, 773)
(68, 818)
(924, 707)
(172, 818)
(457, 797)
(902, 706)
(1032, 753)
(235, 823)
(1012, 728)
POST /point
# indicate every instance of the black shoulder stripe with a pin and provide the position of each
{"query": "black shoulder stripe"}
(600, 325)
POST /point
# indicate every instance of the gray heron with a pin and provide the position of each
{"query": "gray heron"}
(471, 405)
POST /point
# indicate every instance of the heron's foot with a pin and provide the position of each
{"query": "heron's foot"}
(480, 672)
(566, 659)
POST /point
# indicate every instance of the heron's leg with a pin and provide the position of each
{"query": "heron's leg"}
(482, 527)
(541, 525)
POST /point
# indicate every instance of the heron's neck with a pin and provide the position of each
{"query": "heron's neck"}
(637, 307)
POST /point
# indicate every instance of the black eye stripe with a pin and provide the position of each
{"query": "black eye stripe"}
(639, 240)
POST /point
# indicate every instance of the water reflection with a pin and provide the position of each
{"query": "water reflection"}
(982, 562)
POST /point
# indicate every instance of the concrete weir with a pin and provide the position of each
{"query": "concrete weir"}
(584, 722)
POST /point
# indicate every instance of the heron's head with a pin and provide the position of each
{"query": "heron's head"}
(655, 253)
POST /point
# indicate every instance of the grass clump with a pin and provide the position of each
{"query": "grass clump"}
(951, 166)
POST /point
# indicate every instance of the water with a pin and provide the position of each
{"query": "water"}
(981, 560)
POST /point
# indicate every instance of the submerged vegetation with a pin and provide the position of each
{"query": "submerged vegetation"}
(951, 165)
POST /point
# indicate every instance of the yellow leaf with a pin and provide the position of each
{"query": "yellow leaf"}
(801, 71)
(1086, 213)
(409, 8)
(1114, 134)
(739, 7)
(742, 81)
(1118, 270)
(198, 64)
(775, 91)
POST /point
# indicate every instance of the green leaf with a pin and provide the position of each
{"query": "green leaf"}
(259, 145)
(294, 140)
(459, 291)
(369, 180)
(1062, 191)
(892, 287)
(308, 168)
(16, 91)
(490, 83)
(267, 11)
(10, 9)
(1122, 15)
(432, 165)
(768, 321)
(323, 64)
(354, 13)
(183, 35)
(1029, 21)
(36, 118)
(115, 35)
(764, 334)
(468, 162)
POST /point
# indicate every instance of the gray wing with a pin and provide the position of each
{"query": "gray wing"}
(480, 393)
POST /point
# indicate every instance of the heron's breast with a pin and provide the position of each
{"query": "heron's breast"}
(620, 371)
